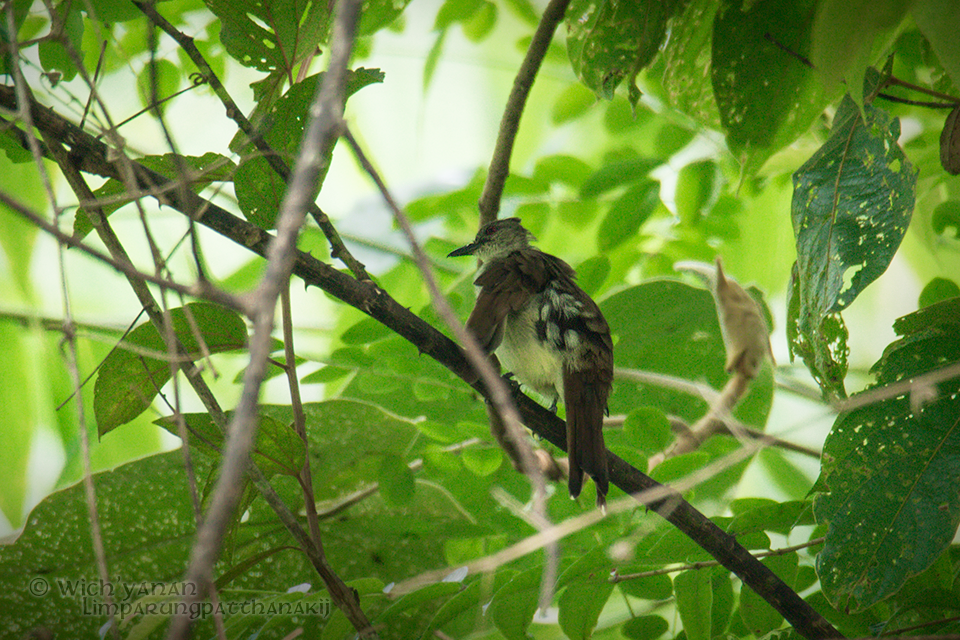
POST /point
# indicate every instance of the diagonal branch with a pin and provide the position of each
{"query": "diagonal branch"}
(375, 302)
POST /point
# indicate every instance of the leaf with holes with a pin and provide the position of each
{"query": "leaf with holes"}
(259, 188)
(133, 374)
(888, 484)
(766, 97)
(852, 203)
(608, 41)
(271, 36)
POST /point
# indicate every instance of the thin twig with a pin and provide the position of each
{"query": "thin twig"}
(299, 419)
(510, 121)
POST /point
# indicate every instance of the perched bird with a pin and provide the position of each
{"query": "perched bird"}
(549, 333)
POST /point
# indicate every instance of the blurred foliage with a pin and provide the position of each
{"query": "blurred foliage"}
(798, 140)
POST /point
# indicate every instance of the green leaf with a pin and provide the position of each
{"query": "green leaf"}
(617, 173)
(482, 461)
(851, 206)
(939, 21)
(574, 101)
(687, 63)
(644, 627)
(938, 290)
(167, 78)
(580, 605)
(271, 36)
(134, 373)
(757, 614)
(627, 213)
(671, 327)
(887, 487)
(649, 428)
(844, 35)
(53, 54)
(608, 41)
(592, 273)
(694, 601)
(766, 97)
(278, 449)
(515, 603)
(377, 14)
(396, 480)
(696, 191)
(259, 188)
(55, 550)
(562, 169)
(481, 23)
(946, 216)
(658, 587)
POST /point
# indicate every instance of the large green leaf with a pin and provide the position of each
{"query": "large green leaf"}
(851, 207)
(888, 486)
(608, 41)
(668, 327)
(271, 36)
(133, 374)
(686, 59)
(259, 188)
(766, 97)
(50, 577)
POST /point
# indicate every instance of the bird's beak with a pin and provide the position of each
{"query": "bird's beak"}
(466, 250)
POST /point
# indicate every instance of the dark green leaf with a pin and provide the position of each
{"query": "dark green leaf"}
(608, 41)
(694, 601)
(627, 213)
(851, 207)
(890, 469)
(757, 614)
(766, 97)
(133, 374)
(271, 36)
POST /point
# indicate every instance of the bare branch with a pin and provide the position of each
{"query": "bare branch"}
(510, 122)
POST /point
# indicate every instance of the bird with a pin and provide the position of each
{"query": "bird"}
(550, 334)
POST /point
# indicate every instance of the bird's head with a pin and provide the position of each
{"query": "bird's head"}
(495, 239)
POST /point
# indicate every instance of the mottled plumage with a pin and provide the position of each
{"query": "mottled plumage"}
(549, 333)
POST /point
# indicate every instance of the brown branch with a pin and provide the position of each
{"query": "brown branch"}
(510, 122)
(369, 298)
